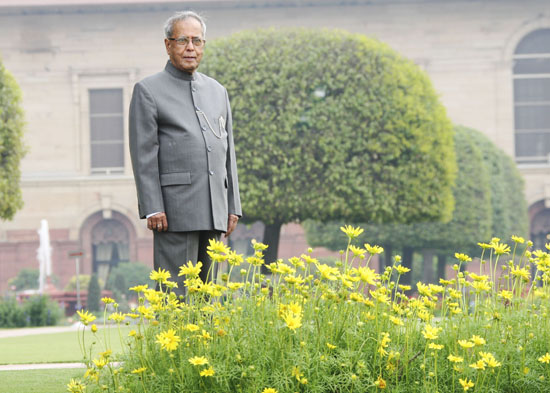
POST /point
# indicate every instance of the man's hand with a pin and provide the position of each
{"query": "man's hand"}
(158, 222)
(231, 224)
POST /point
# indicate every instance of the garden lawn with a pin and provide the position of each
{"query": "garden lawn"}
(55, 347)
(37, 381)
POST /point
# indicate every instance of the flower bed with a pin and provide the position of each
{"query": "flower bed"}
(311, 327)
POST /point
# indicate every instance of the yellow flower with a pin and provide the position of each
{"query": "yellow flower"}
(139, 288)
(269, 390)
(484, 246)
(101, 362)
(357, 252)
(396, 321)
(518, 239)
(191, 327)
(330, 273)
(466, 384)
(293, 321)
(430, 332)
(76, 386)
(217, 246)
(86, 317)
(190, 270)
(258, 246)
(168, 340)
(384, 343)
(523, 273)
(94, 328)
(117, 317)
(208, 372)
(500, 248)
(160, 275)
(234, 259)
(507, 295)
(351, 232)
(297, 373)
(235, 285)
(330, 346)
(402, 269)
(139, 370)
(466, 344)
(368, 275)
(435, 346)
(455, 359)
(545, 358)
(373, 250)
(462, 257)
(380, 383)
(479, 365)
(477, 340)
(198, 361)
(92, 373)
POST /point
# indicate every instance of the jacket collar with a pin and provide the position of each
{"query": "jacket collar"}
(178, 73)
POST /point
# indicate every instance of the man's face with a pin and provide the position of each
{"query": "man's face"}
(185, 57)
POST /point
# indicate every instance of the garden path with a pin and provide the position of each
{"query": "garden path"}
(5, 333)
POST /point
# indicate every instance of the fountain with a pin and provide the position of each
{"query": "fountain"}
(44, 256)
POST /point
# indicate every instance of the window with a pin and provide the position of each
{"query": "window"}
(106, 131)
(532, 98)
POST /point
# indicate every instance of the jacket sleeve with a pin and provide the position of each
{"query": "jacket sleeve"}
(144, 147)
(233, 197)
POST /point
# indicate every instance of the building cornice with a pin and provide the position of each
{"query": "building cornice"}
(45, 7)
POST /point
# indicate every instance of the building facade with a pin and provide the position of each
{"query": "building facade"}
(77, 61)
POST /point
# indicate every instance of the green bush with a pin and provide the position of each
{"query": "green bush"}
(127, 275)
(11, 314)
(311, 327)
(39, 310)
(12, 148)
(84, 280)
(333, 125)
(94, 293)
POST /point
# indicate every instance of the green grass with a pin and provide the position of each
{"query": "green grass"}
(37, 381)
(55, 347)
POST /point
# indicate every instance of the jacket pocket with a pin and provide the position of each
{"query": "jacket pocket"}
(175, 178)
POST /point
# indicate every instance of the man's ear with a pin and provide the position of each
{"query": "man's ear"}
(167, 45)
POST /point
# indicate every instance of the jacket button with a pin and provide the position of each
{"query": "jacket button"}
(203, 128)
(194, 89)
(209, 148)
(211, 173)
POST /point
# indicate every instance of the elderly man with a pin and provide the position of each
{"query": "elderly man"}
(181, 144)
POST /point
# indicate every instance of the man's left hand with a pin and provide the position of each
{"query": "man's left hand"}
(231, 224)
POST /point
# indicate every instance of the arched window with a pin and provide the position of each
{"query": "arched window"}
(109, 246)
(532, 98)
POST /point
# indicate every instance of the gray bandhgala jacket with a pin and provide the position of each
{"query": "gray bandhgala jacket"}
(181, 144)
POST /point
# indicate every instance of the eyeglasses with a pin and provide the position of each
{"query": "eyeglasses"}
(184, 41)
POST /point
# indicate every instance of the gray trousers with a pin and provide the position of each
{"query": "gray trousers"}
(174, 249)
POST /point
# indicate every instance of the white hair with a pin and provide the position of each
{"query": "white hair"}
(179, 16)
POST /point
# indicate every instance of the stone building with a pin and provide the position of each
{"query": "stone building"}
(77, 61)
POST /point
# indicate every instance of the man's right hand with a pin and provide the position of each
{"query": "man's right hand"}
(158, 222)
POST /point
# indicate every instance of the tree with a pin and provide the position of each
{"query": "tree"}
(94, 294)
(126, 275)
(489, 201)
(332, 125)
(11, 145)
(25, 279)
